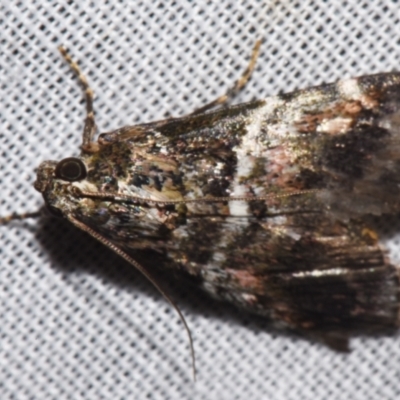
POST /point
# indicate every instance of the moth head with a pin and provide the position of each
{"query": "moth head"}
(55, 178)
(69, 169)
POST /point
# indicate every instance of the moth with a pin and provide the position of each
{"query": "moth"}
(264, 204)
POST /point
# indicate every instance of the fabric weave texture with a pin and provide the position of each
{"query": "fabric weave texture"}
(76, 321)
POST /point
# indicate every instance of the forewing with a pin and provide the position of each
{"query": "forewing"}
(341, 138)
(303, 271)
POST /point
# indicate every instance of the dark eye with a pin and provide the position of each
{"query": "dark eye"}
(71, 169)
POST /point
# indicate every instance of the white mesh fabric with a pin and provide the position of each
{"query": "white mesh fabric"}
(76, 322)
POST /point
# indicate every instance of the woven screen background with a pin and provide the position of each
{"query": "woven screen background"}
(76, 322)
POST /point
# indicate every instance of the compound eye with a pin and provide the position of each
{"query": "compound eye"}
(71, 169)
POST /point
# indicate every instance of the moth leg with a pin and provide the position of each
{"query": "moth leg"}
(14, 216)
(239, 84)
(90, 126)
